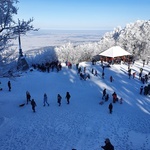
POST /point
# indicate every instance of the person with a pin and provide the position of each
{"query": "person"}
(79, 70)
(106, 97)
(134, 74)
(68, 97)
(129, 73)
(0, 87)
(92, 71)
(111, 78)
(143, 62)
(77, 66)
(45, 100)
(81, 76)
(110, 108)
(114, 97)
(59, 99)
(88, 76)
(103, 75)
(140, 75)
(103, 67)
(9, 86)
(84, 69)
(95, 73)
(146, 78)
(66, 62)
(28, 96)
(145, 90)
(121, 100)
(141, 89)
(33, 105)
(108, 145)
(104, 93)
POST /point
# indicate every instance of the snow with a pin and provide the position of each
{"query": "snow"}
(83, 124)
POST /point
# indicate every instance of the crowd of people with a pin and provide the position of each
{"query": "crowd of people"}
(48, 66)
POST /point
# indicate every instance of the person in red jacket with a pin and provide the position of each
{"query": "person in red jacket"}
(133, 75)
(114, 97)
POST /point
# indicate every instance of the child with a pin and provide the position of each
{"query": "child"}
(59, 99)
(45, 100)
(121, 100)
(133, 75)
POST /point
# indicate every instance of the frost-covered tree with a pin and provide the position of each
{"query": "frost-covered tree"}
(135, 38)
(9, 29)
(7, 10)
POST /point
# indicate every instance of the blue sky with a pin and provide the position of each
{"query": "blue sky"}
(83, 14)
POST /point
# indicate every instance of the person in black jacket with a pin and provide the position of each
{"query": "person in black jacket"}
(108, 145)
(110, 107)
(28, 96)
(9, 85)
(68, 97)
(45, 99)
(104, 93)
(33, 105)
(59, 99)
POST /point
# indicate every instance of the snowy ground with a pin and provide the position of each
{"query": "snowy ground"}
(83, 124)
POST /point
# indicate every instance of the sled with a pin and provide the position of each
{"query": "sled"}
(21, 105)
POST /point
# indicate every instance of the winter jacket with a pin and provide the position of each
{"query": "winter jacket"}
(33, 103)
(68, 95)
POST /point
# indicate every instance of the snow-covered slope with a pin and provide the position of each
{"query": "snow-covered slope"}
(83, 124)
